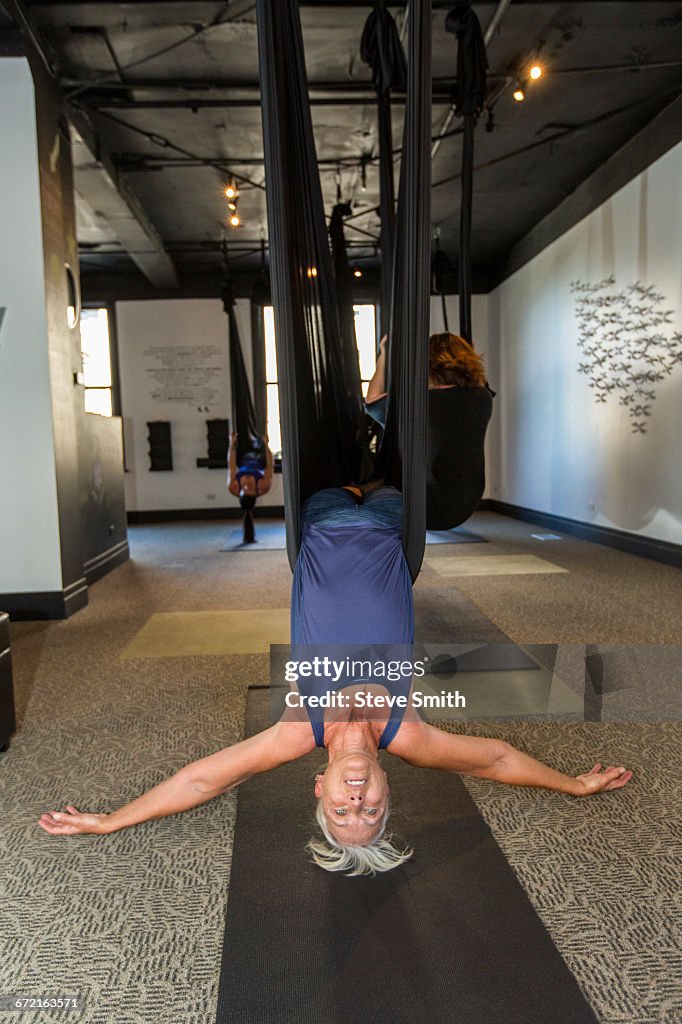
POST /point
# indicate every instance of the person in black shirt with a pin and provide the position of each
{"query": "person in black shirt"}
(460, 407)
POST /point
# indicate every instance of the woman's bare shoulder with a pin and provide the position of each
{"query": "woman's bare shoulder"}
(410, 737)
(294, 733)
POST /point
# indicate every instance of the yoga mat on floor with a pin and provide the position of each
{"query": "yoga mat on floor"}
(485, 657)
(269, 537)
(456, 536)
(449, 938)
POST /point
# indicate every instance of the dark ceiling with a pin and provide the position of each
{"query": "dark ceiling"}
(171, 90)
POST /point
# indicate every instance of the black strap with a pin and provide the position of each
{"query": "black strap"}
(472, 66)
(403, 448)
(382, 51)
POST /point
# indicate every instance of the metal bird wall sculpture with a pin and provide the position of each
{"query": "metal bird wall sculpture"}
(620, 335)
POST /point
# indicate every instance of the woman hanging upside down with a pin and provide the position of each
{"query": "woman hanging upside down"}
(351, 585)
(249, 477)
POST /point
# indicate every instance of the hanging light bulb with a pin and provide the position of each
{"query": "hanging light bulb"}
(235, 220)
(231, 191)
(357, 272)
(535, 72)
(519, 92)
(232, 205)
(312, 271)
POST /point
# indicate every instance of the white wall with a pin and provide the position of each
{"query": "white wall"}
(479, 319)
(30, 559)
(196, 326)
(554, 448)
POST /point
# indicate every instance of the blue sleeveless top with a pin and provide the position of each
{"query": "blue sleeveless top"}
(316, 715)
(251, 465)
(352, 585)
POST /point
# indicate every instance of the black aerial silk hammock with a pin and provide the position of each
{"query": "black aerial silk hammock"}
(250, 430)
(260, 297)
(402, 457)
(457, 417)
(323, 433)
(455, 460)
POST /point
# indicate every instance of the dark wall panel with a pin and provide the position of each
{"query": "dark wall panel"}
(102, 498)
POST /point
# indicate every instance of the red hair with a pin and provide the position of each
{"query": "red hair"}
(453, 361)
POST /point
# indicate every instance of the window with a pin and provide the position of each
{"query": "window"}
(365, 333)
(274, 428)
(95, 348)
(366, 336)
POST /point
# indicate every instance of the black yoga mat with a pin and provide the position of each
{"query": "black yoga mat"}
(449, 938)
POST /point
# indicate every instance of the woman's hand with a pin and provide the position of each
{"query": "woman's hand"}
(383, 343)
(602, 781)
(72, 822)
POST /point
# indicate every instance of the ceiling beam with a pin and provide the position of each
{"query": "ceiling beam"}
(244, 90)
(183, 6)
(107, 191)
(118, 103)
(320, 93)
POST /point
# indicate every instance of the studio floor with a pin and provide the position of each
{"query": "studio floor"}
(154, 673)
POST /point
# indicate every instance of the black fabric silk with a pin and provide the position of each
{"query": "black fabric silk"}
(322, 430)
(455, 461)
(382, 51)
(472, 65)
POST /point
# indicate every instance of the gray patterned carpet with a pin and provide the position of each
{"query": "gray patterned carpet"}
(135, 920)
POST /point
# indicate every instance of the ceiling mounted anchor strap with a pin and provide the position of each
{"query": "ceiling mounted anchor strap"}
(470, 96)
(382, 51)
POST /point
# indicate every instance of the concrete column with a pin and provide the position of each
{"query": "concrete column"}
(41, 563)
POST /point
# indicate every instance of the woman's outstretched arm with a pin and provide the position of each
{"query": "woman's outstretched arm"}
(427, 747)
(377, 385)
(266, 482)
(232, 482)
(194, 784)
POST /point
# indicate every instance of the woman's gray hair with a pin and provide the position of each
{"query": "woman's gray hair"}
(379, 855)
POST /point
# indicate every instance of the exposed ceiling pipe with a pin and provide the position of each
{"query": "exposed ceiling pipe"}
(497, 17)
(406, 19)
(18, 14)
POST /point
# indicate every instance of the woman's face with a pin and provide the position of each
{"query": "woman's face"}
(354, 793)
